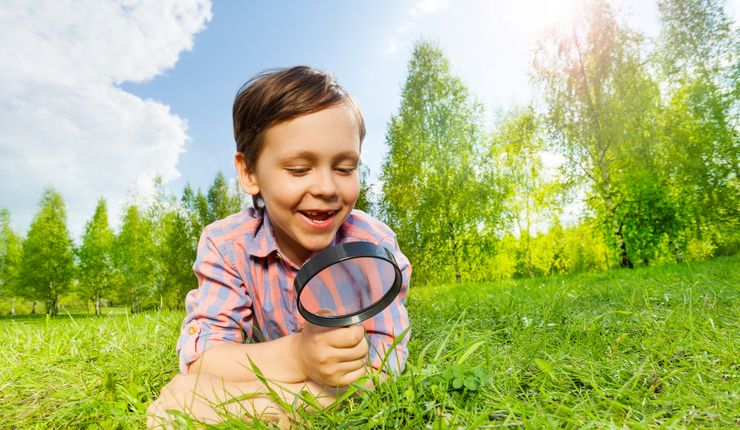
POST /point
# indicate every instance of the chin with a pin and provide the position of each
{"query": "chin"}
(315, 242)
(318, 244)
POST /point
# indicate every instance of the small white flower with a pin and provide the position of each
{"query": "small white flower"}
(526, 321)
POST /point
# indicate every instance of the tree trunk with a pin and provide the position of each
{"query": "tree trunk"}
(52, 302)
(97, 305)
(458, 277)
(528, 257)
(677, 252)
(12, 306)
(624, 259)
(33, 308)
(527, 253)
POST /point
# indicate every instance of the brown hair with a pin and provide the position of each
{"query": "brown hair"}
(282, 94)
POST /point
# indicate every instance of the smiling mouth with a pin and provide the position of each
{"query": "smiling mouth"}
(318, 216)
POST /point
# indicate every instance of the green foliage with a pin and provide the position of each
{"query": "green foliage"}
(648, 216)
(132, 255)
(438, 188)
(96, 274)
(459, 378)
(196, 204)
(177, 253)
(531, 196)
(10, 257)
(601, 105)
(364, 200)
(47, 263)
(699, 55)
(222, 201)
(574, 249)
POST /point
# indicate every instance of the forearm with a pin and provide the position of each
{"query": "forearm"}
(276, 359)
(208, 398)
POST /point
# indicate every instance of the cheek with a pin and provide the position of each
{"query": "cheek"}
(351, 190)
(287, 194)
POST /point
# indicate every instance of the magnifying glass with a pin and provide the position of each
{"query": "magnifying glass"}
(346, 284)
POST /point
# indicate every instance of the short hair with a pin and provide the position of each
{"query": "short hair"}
(279, 95)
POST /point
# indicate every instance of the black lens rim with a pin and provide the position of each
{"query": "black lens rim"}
(336, 254)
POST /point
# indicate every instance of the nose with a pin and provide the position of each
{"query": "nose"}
(324, 184)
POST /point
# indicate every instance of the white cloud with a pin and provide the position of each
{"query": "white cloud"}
(63, 120)
(428, 7)
(423, 7)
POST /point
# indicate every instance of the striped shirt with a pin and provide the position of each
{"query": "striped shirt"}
(243, 278)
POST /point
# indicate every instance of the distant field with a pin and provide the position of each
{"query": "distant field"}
(645, 348)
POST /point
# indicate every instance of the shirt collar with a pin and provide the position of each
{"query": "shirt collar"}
(264, 243)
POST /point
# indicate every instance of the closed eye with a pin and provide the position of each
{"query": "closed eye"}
(297, 171)
(346, 170)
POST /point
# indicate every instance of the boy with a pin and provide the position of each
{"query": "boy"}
(298, 136)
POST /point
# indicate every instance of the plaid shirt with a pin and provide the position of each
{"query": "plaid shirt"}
(242, 276)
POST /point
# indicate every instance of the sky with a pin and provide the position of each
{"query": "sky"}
(97, 98)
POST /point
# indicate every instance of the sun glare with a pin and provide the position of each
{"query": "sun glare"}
(539, 16)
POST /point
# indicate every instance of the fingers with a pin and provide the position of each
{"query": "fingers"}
(354, 374)
(344, 373)
(336, 337)
(358, 351)
(334, 356)
(347, 337)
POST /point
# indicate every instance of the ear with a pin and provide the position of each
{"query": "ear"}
(247, 179)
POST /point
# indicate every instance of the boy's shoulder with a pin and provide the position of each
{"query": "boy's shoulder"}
(362, 226)
(244, 223)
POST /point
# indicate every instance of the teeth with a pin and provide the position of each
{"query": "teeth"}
(318, 213)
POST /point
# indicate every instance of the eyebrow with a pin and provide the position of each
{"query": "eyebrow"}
(308, 155)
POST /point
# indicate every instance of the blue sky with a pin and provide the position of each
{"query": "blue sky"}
(97, 97)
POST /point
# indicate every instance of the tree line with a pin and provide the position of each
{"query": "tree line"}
(646, 132)
(145, 264)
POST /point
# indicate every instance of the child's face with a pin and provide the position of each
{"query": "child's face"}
(307, 175)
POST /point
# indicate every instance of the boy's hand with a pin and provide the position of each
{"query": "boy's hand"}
(333, 356)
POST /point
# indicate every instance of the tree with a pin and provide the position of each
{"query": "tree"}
(222, 201)
(10, 258)
(133, 255)
(96, 274)
(601, 111)
(197, 206)
(699, 56)
(47, 263)
(177, 255)
(519, 146)
(439, 191)
(364, 202)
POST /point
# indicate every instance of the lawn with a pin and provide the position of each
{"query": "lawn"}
(648, 348)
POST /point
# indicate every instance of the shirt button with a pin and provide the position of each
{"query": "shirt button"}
(193, 329)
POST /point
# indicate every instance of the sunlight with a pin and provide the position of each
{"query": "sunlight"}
(537, 16)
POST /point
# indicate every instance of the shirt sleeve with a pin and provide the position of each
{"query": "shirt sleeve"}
(385, 328)
(218, 311)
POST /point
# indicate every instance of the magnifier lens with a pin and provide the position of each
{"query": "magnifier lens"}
(346, 284)
(348, 287)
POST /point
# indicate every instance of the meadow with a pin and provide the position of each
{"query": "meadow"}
(655, 347)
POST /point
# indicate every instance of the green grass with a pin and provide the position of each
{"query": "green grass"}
(647, 348)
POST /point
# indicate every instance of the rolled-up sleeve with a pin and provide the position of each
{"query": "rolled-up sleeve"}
(218, 311)
(385, 328)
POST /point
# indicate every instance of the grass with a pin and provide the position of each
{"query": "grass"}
(647, 348)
